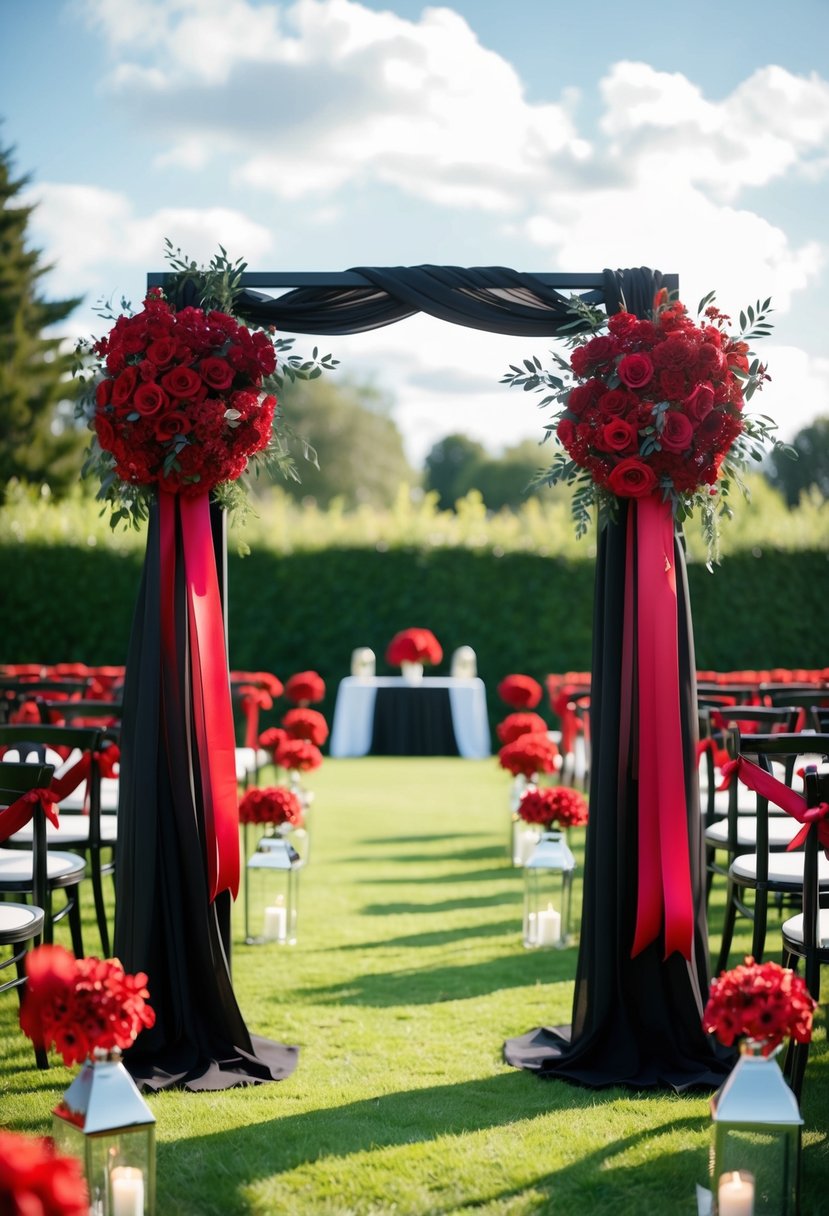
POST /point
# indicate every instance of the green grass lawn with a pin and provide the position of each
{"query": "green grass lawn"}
(408, 974)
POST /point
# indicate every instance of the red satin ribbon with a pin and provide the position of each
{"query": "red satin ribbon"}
(18, 813)
(664, 891)
(253, 700)
(783, 796)
(212, 712)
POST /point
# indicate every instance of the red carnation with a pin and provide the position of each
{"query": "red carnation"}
(414, 646)
(554, 804)
(529, 754)
(306, 724)
(763, 1001)
(271, 740)
(35, 1180)
(299, 754)
(521, 692)
(271, 804)
(305, 686)
(515, 725)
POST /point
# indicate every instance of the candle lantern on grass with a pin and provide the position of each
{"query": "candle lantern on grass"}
(271, 890)
(548, 881)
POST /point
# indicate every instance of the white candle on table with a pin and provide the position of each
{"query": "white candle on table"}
(735, 1196)
(548, 927)
(127, 1191)
(525, 843)
(276, 922)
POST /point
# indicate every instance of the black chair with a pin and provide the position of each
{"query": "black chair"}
(806, 935)
(21, 925)
(15, 691)
(810, 702)
(764, 871)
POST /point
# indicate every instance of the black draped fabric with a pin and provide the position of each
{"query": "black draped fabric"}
(165, 924)
(636, 1021)
(413, 722)
(492, 298)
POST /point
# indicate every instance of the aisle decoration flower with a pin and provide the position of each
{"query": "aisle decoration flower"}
(298, 755)
(529, 754)
(414, 646)
(654, 406)
(80, 1004)
(557, 804)
(515, 725)
(762, 1001)
(306, 724)
(271, 804)
(519, 691)
(305, 688)
(36, 1180)
(271, 740)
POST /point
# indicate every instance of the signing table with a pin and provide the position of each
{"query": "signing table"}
(387, 715)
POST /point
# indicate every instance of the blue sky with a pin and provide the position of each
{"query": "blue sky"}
(322, 134)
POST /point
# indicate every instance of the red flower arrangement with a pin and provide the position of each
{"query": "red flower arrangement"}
(265, 681)
(520, 692)
(305, 687)
(271, 804)
(272, 739)
(529, 754)
(763, 1001)
(515, 725)
(553, 804)
(414, 646)
(82, 1003)
(656, 407)
(298, 754)
(306, 724)
(35, 1180)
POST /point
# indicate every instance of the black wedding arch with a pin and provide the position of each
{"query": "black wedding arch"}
(635, 1022)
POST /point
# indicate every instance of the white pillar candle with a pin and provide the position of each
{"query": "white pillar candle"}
(127, 1191)
(276, 922)
(548, 928)
(735, 1196)
(525, 842)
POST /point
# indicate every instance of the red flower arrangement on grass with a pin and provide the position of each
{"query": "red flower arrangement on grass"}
(520, 692)
(298, 755)
(528, 755)
(79, 1004)
(306, 724)
(271, 804)
(557, 804)
(656, 406)
(414, 646)
(305, 687)
(272, 739)
(35, 1180)
(515, 725)
(763, 1001)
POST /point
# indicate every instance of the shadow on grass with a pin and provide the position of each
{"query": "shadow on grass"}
(439, 938)
(503, 872)
(485, 853)
(454, 982)
(441, 905)
(264, 1150)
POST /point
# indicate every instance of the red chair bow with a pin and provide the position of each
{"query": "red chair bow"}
(18, 813)
(782, 796)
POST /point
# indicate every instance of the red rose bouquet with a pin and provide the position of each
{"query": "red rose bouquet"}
(515, 725)
(306, 724)
(305, 687)
(557, 804)
(35, 1180)
(80, 1004)
(763, 1001)
(529, 754)
(271, 804)
(654, 406)
(414, 646)
(520, 692)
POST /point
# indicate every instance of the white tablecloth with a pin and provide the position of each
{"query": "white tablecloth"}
(354, 713)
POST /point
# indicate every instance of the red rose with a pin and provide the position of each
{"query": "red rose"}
(123, 387)
(617, 436)
(149, 399)
(566, 431)
(104, 431)
(632, 478)
(170, 424)
(677, 432)
(103, 392)
(635, 370)
(216, 373)
(700, 403)
(182, 382)
(614, 402)
(162, 352)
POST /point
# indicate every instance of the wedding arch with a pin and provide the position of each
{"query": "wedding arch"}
(636, 1013)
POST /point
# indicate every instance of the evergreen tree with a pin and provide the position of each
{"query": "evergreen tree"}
(38, 442)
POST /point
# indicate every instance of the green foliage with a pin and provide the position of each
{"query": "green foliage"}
(449, 467)
(803, 466)
(38, 440)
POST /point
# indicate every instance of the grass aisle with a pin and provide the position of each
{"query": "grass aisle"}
(408, 975)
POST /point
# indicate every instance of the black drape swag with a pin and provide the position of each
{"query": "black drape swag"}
(636, 1021)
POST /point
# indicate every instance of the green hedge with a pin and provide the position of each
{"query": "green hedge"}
(520, 612)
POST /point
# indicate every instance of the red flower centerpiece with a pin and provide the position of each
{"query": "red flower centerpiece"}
(35, 1180)
(306, 724)
(305, 688)
(520, 692)
(515, 725)
(82, 1004)
(763, 1002)
(411, 649)
(271, 804)
(529, 754)
(558, 804)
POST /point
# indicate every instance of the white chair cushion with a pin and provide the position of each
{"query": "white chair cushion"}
(73, 829)
(109, 796)
(793, 928)
(19, 918)
(783, 868)
(782, 832)
(16, 867)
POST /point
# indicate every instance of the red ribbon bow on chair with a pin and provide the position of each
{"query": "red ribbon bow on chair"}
(782, 796)
(18, 813)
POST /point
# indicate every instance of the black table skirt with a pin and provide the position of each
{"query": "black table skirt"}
(413, 722)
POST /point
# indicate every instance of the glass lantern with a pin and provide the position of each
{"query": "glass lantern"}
(525, 836)
(271, 888)
(757, 1130)
(548, 879)
(105, 1123)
